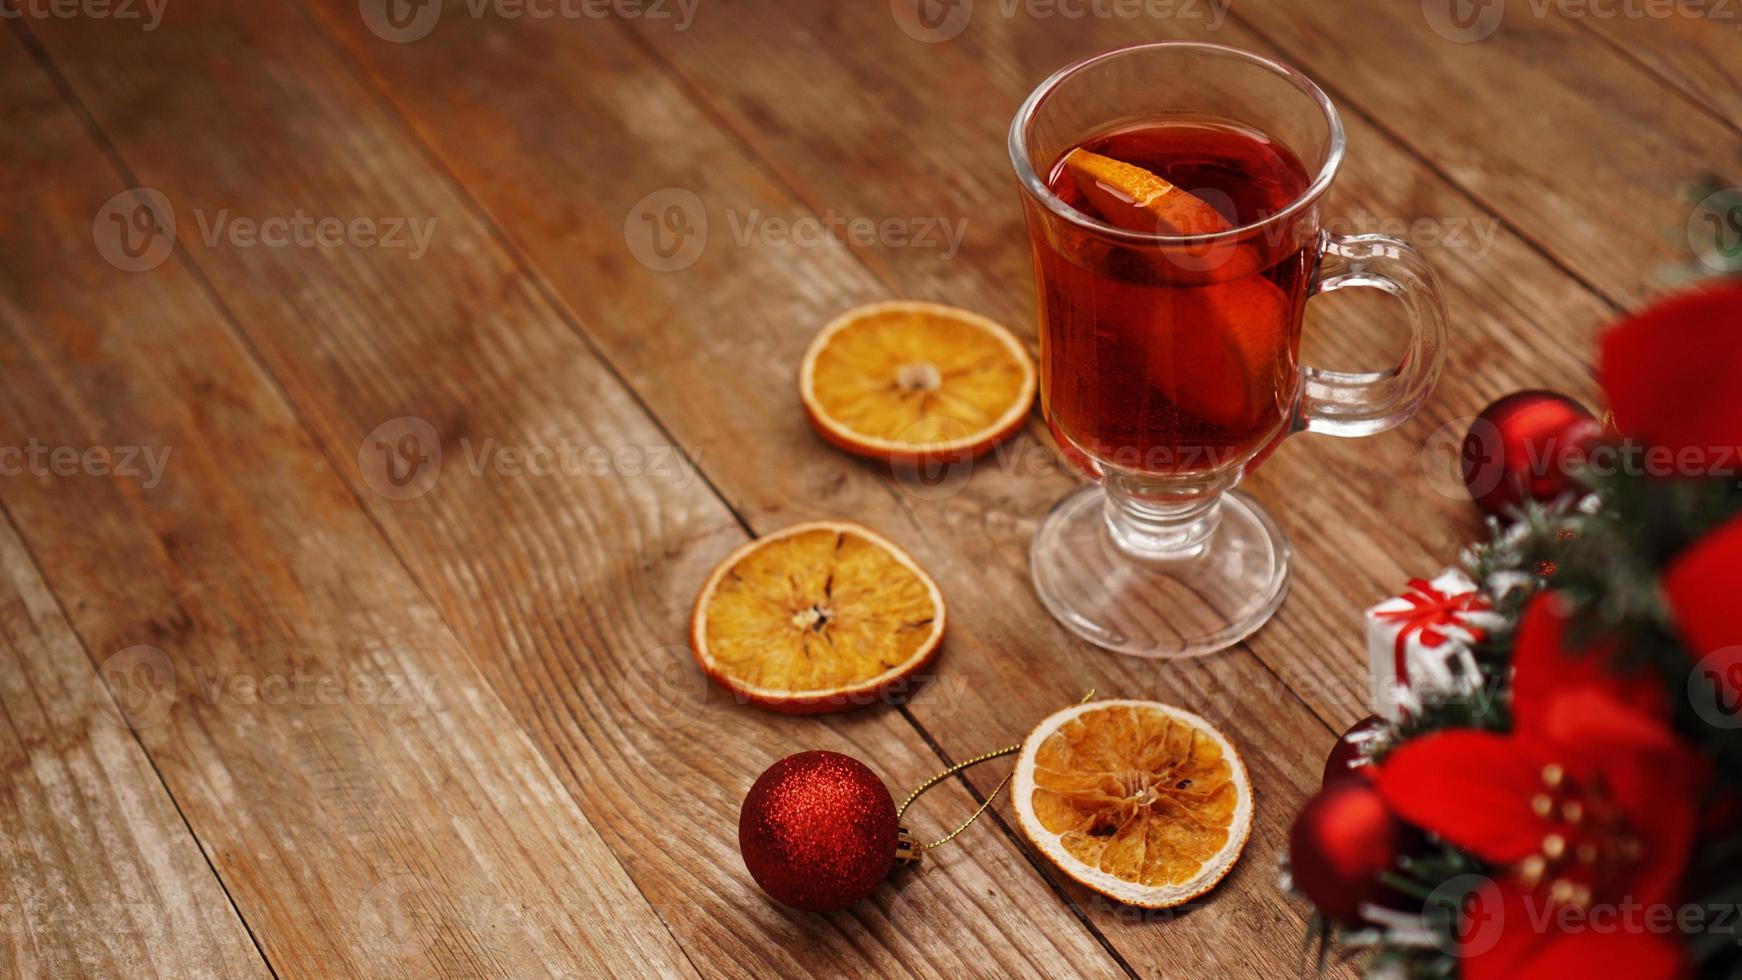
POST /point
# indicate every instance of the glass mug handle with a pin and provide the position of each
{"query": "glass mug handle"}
(1341, 403)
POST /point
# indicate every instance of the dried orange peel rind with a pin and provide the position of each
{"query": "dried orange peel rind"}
(1131, 197)
(1142, 802)
(912, 382)
(817, 617)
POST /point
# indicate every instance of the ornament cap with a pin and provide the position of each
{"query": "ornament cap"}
(907, 853)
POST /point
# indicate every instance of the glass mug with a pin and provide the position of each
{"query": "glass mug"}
(1169, 361)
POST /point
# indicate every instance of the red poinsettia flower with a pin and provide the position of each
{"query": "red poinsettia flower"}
(1702, 584)
(1588, 806)
(1670, 374)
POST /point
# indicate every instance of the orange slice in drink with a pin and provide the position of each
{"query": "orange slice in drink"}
(1238, 331)
(1131, 197)
(817, 617)
(1140, 801)
(913, 382)
(1236, 317)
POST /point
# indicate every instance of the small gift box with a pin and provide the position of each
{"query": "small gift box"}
(1418, 642)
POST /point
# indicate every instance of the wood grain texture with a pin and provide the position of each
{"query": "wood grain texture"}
(1695, 46)
(1578, 147)
(1353, 539)
(569, 589)
(712, 348)
(99, 876)
(370, 806)
(559, 793)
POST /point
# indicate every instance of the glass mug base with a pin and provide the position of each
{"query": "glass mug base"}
(1159, 609)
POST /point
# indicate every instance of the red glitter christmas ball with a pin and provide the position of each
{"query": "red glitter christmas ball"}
(1342, 843)
(1524, 447)
(818, 831)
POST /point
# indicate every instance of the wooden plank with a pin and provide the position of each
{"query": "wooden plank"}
(1694, 45)
(711, 348)
(571, 589)
(100, 876)
(370, 805)
(1578, 147)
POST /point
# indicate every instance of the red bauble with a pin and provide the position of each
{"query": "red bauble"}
(1523, 447)
(1342, 842)
(1348, 751)
(818, 831)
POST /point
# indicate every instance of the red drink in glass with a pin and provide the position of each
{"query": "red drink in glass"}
(1172, 193)
(1175, 359)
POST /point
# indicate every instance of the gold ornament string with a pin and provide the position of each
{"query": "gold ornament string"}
(910, 852)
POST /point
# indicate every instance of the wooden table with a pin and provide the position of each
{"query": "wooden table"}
(302, 699)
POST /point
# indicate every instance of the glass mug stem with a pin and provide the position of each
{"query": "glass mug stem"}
(1160, 533)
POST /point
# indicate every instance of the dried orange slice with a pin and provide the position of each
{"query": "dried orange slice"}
(914, 382)
(817, 617)
(1140, 801)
